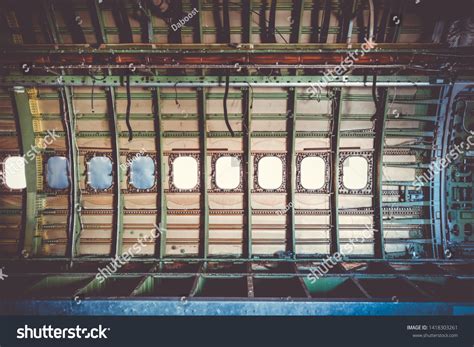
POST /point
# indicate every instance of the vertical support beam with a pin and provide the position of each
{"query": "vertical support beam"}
(69, 125)
(271, 28)
(97, 22)
(226, 21)
(204, 198)
(216, 13)
(323, 37)
(315, 22)
(160, 249)
(51, 23)
(146, 23)
(247, 145)
(198, 23)
(291, 176)
(247, 173)
(247, 163)
(267, 31)
(334, 198)
(380, 120)
(387, 9)
(74, 223)
(345, 21)
(438, 188)
(29, 241)
(296, 16)
(246, 21)
(119, 12)
(117, 232)
(351, 22)
(175, 8)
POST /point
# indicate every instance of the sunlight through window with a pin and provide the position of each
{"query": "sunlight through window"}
(14, 173)
(270, 172)
(185, 173)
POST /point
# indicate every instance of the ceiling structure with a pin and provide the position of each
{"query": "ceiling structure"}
(332, 143)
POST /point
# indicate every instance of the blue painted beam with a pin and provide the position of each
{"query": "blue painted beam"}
(196, 307)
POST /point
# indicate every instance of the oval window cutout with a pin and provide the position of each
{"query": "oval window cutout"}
(100, 173)
(14, 173)
(185, 173)
(227, 172)
(142, 172)
(270, 173)
(57, 176)
(355, 172)
(312, 173)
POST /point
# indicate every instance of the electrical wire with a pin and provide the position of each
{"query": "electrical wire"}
(176, 94)
(73, 129)
(91, 75)
(73, 120)
(375, 97)
(47, 69)
(245, 66)
(251, 95)
(129, 105)
(94, 79)
(143, 10)
(247, 112)
(226, 116)
(92, 96)
(271, 23)
(393, 98)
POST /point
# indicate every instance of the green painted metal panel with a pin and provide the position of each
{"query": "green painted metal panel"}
(408, 221)
(247, 162)
(30, 241)
(204, 204)
(180, 81)
(334, 198)
(118, 196)
(163, 214)
(379, 141)
(291, 157)
(76, 225)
